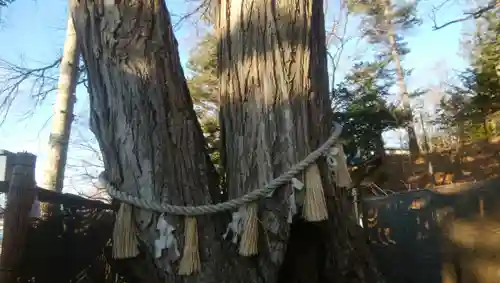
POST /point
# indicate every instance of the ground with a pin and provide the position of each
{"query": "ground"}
(479, 161)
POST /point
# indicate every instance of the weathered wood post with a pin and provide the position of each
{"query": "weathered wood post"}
(481, 205)
(16, 218)
(7, 160)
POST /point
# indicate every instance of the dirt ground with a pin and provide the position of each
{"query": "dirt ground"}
(473, 162)
(462, 243)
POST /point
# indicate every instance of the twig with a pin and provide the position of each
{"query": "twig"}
(343, 15)
(203, 7)
(16, 76)
(467, 15)
(42, 80)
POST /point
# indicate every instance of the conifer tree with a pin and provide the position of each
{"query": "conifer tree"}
(384, 24)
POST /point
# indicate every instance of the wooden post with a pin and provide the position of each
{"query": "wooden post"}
(16, 218)
(481, 206)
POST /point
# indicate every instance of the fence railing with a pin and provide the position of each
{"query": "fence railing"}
(25, 245)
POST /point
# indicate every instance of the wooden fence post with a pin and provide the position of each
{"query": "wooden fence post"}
(481, 205)
(16, 218)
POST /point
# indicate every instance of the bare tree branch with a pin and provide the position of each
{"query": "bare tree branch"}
(475, 14)
(84, 163)
(201, 9)
(38, 82)
(5, 2)
(338, 36)
(12, 78)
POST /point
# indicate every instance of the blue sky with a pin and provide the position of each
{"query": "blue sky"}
(32, 33)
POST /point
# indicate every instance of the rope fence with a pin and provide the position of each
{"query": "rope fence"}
(252, 196)
(244, 224)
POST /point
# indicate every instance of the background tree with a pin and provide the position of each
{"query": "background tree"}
(475, 96)
(384, 23)
(364, 111)
(483, 79)
(203, 86)
(203, 81)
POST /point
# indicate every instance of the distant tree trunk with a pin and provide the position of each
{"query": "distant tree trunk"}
(486, 125)
(427, 146)
(275, 109)
(380, 146)
(405, 99)
(63, 112)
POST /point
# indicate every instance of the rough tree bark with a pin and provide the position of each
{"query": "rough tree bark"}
(63, 112)
(143, 118)
(275, 109)
(152, 143)
(400, 76)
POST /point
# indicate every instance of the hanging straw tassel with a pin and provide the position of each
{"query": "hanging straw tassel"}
(314, 202)
(190, 262)
(250, 237)
(125, 234)
(342, 176)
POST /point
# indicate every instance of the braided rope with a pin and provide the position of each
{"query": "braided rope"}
(230, 204)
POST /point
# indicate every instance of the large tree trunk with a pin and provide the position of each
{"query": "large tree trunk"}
(143, 118)
(400, 77)
(275, 109)
(63, 112)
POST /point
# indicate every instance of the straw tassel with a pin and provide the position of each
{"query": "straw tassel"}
(125, 244)
(190, 262)
(314, 203)
(342, 176)
(250, 236)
